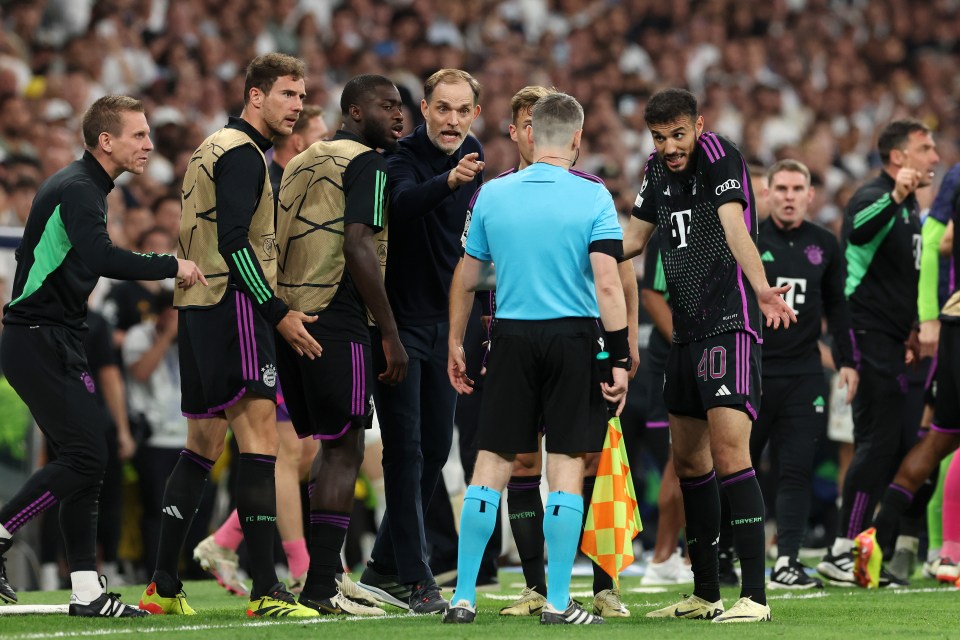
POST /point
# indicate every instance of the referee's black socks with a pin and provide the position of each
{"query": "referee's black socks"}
(746, 517)
(525, 509)
(701, 506)
(180, 501)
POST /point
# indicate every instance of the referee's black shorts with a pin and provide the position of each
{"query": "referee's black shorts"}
(543, 368)
(330, 394)
(226, 353)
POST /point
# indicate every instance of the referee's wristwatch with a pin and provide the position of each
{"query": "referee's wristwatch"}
(623, 364)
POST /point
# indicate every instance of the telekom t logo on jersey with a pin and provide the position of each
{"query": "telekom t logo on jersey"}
(680, 227)
(797, 294)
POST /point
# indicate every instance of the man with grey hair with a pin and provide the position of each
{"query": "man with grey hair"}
(545, 344)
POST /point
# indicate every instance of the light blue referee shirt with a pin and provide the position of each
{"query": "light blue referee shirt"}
(536, 226)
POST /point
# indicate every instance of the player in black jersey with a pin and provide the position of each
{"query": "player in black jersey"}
(794, 414)
(65, 250)
(696, 190)
(331, 230)
(883, 242)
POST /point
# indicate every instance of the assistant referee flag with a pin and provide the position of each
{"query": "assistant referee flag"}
(613, 519)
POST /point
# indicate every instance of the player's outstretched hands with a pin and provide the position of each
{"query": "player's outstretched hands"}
(188, 274)
(457, 370)
(774, 308)
(397, 360)
(297, 336)
(616, 393)
(465, 171)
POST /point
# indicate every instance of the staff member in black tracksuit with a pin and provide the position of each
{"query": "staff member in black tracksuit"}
(793, 416)
(65, 250)
(882, 228)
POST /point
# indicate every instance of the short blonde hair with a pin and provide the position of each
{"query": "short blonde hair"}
(451, 76)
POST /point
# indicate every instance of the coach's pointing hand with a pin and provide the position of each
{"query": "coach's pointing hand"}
(465, 171)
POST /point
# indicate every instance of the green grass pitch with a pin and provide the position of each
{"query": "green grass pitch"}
(924, 610)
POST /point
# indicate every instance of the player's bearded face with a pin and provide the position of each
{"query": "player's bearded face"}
(449, 115)
(676, 140)
(282, 104)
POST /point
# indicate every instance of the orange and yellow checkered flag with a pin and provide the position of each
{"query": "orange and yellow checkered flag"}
(613, 520)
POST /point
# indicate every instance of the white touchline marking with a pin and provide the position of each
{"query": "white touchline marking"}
(192, 627)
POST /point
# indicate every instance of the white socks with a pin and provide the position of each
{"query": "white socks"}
(841, 546)
(86, 585)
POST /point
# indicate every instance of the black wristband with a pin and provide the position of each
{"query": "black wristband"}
(618, 345)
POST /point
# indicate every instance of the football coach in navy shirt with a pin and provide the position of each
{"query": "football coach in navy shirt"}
(432, 178)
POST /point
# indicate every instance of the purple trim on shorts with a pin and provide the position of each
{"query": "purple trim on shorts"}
(244, 346)
(856, 515)
(746, 365)
(903, 490)
(197, 459)
(739, 477)
(657, 425)
(359, 379)
(310, 488)
(939, 429)
(741, 361)
(32, 510)
(321, 436)
(341, 522)
(255, 375)
(217, 410)
(523, 486)
(690, 484)
(750, 410)
(198, 416)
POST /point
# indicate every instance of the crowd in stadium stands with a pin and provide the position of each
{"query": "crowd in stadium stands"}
(811, 80)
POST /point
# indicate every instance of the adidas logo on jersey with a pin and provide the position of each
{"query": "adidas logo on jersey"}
(173, 511)
(722, 391)
(819, 404)
(767, 256)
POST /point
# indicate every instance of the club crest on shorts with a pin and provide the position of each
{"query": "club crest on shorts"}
(269, 375)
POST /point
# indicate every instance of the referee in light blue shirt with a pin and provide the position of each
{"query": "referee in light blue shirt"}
(556, 272)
